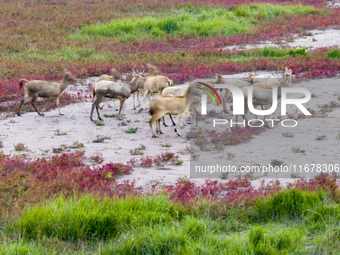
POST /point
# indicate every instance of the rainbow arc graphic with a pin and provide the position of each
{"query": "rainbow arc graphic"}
(209, 93)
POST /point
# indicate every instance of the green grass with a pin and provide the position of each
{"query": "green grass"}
(131, 130)
(193, 21)
(89, 218)
(334, 53)
(276, 52)
(290, 222)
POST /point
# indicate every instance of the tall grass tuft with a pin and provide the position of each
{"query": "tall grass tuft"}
(194, 21)
(88, 217)
(290, 204)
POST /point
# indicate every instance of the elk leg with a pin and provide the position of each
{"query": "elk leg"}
(58, 107)
(177, 125)
(134, 106)
(141, 105)
(159, 126)
(32, 103)
(153, 118)
(102, 107)
(47, 103)
(172, 120)
(95, 104)
(164, 124)
(120, 108)
(26, 97)
(114, 104)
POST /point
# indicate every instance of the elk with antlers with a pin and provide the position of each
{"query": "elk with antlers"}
(119, 90)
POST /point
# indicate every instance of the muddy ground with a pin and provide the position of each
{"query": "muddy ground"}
(39, 135)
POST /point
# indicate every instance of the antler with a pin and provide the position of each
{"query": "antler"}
(141, 73)
(133, 71)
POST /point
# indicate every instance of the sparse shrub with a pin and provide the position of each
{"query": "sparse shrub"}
(292, 175)
(58, 133)
(176, 161)
(219, 146)
(142, 147)
(1, 144)
(57, 150)
(109, 115)
(276, 162)
(136, 151)
(99, 122)
(77, 145)
(98, 158)
(101, 138)
(20, 147)
(298, 150)
(79, 153)
(321, 137)
(131, 130)
(146, 162)
(166, 145)
(231, 155)
(287, 134)
(194, 157)
(187, 150)
(224, 175)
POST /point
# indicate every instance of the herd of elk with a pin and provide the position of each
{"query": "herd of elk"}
(172, 101)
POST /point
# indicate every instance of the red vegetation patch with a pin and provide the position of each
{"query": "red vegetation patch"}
(24, 182)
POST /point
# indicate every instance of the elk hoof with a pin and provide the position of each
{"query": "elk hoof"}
(101, 108)
(161, 132)
(174, 125)
(155, 136)
(165, 125)
(41, 114)
(175, 129)
(61, 114)
(19, 114)
(117, 110)
(140, 109)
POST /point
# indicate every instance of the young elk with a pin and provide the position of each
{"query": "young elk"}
(109, 89)
(155, 84)
(262, 96)
(174, 105)
(274, 82)
(152, 70)
(195, 101)
(173, 91)
(50, 89)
